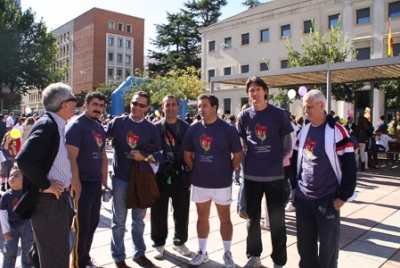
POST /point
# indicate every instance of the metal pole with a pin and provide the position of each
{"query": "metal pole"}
(328, 92)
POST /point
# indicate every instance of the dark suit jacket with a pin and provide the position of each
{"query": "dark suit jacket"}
(38, 153)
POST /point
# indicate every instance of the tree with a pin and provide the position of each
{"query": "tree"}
(183, 84)
(28, 51)
(319, 49)
(107, 90)
(251, 3)
(391, 89)
(178, 41)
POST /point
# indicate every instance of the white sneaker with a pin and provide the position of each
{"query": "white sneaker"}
(199, 259)
(159, 252)
(228, 260)
(182, 249)
(253, 262)
(289, 207)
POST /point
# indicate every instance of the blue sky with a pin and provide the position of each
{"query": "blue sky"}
(57, 12)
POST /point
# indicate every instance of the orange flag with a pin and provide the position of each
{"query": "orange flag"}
(390, 42)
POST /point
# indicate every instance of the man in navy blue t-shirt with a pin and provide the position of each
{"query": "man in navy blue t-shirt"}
(207, 147)
(266, 132)
(85, 139)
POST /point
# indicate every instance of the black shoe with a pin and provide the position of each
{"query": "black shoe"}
(142, 261)
(121, 264)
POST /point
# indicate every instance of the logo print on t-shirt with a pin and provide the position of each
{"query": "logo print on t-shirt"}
(132, 139)
(15, 202)
(97, 138)
(261, 132)
(168, 138)
(205, 142)
(309, 147)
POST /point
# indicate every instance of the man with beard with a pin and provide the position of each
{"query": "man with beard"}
(85, 139)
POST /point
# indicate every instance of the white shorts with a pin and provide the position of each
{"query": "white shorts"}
(220, 196)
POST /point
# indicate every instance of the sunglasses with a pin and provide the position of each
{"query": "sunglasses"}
(141, 105)
(70, 99)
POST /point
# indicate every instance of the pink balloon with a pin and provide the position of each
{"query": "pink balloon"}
(350, 113)
(302, 90)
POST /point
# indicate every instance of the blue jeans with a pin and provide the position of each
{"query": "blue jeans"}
(10, 251)
(119, 213)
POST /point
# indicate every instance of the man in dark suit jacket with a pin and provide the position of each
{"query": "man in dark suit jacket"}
(3, 128)
(43, 160)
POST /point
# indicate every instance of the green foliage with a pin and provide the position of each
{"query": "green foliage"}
(178, 41)
(251, 3)
(28, 52)
(107, 90)
(183, 84)
(316, 50)
(391, 89)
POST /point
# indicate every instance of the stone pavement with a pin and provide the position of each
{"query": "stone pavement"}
(369, 236)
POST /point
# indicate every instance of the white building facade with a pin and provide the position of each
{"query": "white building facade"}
(255, 40)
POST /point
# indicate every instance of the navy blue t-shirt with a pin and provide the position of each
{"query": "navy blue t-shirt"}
(317, 176)
(89, 136)
(212, 145)
(8, 201)
(129, 135)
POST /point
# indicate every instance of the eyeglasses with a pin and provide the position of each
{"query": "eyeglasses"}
(141, 105)
(70, 99)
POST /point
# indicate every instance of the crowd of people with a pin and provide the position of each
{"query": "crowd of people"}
(57, 175)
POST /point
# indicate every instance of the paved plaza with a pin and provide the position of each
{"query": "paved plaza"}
(369, 236)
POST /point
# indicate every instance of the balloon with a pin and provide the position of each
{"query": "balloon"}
(157, 113)
(302, 90)
(15, 133)
(291, 93)
(350, 113)
(28, 110)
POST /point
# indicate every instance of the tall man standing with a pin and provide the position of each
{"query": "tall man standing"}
(324, 174)
(130, 133)
(208, 147)
(44, 162)
(266, 133)
(171, 181)
(85, 139)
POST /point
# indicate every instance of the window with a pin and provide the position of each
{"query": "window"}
(363, 53)
(129, 28)
(119, 72)
(264, 35)
(244, 69)
(396, 50)
(110, 56)
(111, 41)
(119, 57)
(243, 101)
(128, 59)
(284, 64)
(127, 73)
(363, 16)
(211, 46)
(245, 39)
(211, 74)
(285, 31)
(111, 25)
(228, 42)
(110, 72)
(308, 27)
(119, 42)
(227, 106)
(128, 43)
(394, 9)
(333, 21)
(263, 66)
(227, 71)
(120, 26)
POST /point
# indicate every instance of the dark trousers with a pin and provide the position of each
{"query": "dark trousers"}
(179, 193)
(275, 195)
(313, 224)
(88, 217)
(51, 228)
